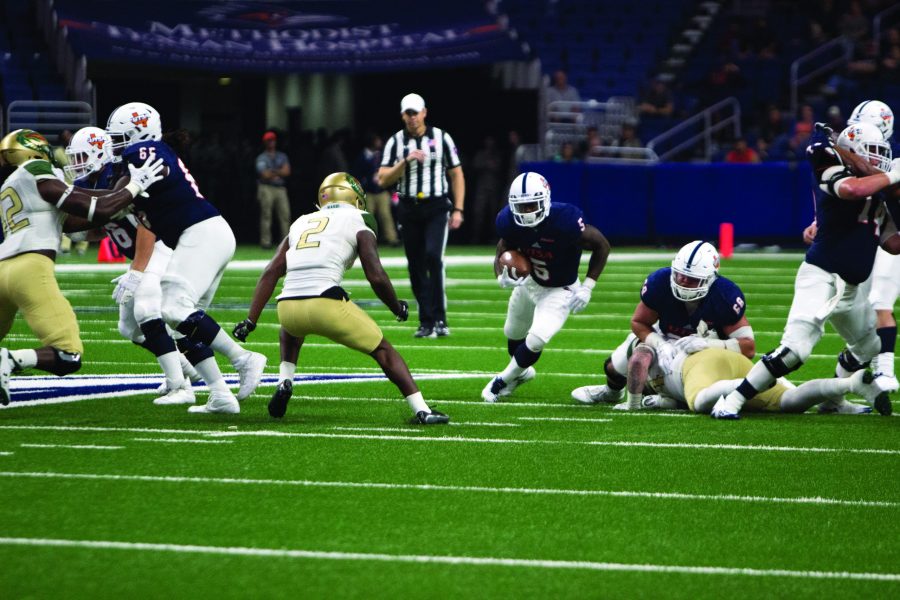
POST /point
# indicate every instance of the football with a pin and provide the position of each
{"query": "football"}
(518, 263)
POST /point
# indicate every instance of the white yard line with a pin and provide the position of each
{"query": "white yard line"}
(72, 446)
(451, 439)
(526, 563)
(427, 487)
(181, 441)
(567, 419)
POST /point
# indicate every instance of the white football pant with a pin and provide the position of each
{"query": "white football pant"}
(147, 301)
(536, 311)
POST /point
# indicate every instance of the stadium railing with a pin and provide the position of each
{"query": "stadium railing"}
(825, 59)
(699, 129)
(72, 67)
(49, 117)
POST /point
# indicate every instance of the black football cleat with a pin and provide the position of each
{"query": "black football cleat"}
(430, 418)
(425, 332)
(278, 403)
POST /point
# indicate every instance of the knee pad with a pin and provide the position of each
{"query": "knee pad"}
(194, 352)
(781, 361)
(65, 362)
(200, 327)
(849, 362)
(525, 356)
(156, 337)
(614, 379)
(513, 345)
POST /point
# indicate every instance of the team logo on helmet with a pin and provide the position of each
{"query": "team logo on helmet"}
(354, 184)
(32, 140)
(93, 140)
(139, 120)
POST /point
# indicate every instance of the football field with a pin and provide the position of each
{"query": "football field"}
(105, 494)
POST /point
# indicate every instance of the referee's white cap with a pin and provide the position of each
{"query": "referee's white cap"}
(412, 102)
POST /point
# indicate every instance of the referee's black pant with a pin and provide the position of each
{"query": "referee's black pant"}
(424, 225)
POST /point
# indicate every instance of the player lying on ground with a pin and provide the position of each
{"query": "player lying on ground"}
(313, 260)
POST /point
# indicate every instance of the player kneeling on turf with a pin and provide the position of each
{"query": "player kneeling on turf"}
(313, 260)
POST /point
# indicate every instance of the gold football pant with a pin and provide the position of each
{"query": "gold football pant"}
(338, 320)
(705, 368)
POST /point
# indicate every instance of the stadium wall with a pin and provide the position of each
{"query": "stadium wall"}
(669, 202)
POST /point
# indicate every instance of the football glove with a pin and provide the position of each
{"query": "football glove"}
(404, 311)
(126, 284)
(243, 329)
(505, 280)
(691, 344)
(581, 296)
(146, 175)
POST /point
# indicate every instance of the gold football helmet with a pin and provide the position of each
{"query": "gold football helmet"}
(22, 145)
(342, 187)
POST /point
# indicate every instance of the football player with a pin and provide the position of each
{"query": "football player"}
(552, 237)
(672, 378)
(841, 257)
(33, 199)
(313, 260)
(884, 283)
(138, 293)
(688, 303)
(202, 243)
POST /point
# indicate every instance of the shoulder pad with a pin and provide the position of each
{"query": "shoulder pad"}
(370, 222)
(39, 168)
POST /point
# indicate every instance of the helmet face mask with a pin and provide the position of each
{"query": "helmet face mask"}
(133, 123)
(529, 199)
(89, 151)
(867, 141)
(22, 145)
(874, 113)
(694, 269)
(344, 188)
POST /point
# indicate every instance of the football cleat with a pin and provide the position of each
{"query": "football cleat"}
(441, 329)
(874, 389)
(725, 409)
(597, 394)
(430, 418)
(278, 403)
(491, 392)
(219, 402)
(6, 368)
(425, 332)
(180, 395)
(250, 367)
(526, 376)
(860, 383)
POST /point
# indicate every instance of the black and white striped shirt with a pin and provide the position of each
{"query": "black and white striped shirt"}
(429, 178)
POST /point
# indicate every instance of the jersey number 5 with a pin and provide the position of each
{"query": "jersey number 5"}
(304, 242)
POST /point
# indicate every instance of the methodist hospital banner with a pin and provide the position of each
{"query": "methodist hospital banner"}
(337, 35)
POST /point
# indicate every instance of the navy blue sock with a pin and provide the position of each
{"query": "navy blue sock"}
(888, 337)
(193, 351)
(156, 338)
(746, 390)
(513, 345)
(200, 327)
(525, 357)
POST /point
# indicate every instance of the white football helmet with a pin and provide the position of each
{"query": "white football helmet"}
(89, 150)
(132, 123)
(529, 199)
(698, 262)
(874, 112)
(867, 141)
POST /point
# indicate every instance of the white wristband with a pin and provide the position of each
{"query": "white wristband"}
(90, 215)
(893, 176)
(134, 189)
(589, 283)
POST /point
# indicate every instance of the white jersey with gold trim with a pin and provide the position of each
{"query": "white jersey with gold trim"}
(664, 375)
(29, 222)
(322, 246)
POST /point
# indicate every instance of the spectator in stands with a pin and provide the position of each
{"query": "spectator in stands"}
(489, 187)
(656, 101)
(591, 144)
(561, 91)
(628, 139)
(378, 200)
(566, 153)
(853, 23)
(742, 153)
(723, 80)
(835, 119)
(773, 126)
(272, 168)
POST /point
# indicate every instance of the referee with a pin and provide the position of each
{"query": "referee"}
(420, 159)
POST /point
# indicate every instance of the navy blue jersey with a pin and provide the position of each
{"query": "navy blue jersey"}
(554, 245)
(123, 232)
(722, 306)
(175, 203)
(846, 239)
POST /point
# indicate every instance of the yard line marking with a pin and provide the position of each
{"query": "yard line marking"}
(427, 487)
(6, 453)
(182, 441)
(484, 424)
(388, 429)
(72, 446)
(444, 559)
(452, 439)
(570, 419)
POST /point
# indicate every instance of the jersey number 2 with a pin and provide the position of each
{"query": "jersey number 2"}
(304, 242)
(10, 225)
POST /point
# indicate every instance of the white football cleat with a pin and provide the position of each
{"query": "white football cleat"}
(526, 376)
(491, 392)
(180, 395)
(219, 402)
(598, 394)
(725, 409)
(6, 367)
(250, 367)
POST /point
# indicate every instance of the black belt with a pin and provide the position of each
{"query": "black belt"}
(421, 200)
